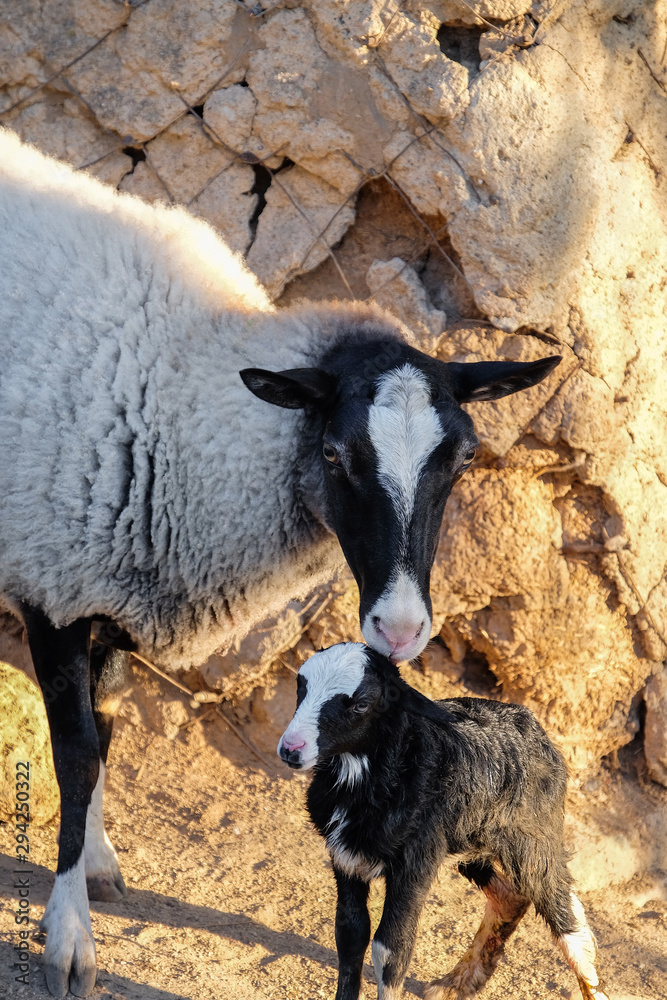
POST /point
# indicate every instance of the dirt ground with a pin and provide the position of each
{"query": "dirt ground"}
(231, 894)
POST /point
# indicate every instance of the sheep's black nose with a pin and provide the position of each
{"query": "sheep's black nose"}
(291, 757)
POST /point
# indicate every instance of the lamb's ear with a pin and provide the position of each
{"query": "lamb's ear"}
(293, 389)
(492, 379)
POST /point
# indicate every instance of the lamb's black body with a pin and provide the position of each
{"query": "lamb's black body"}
(464, 776)
(474, 779)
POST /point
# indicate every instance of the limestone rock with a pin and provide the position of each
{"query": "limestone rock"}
(396, 287)
(544, 624)
(433, 85)
(273, 702)
(655, 734)
(350, 28)
(25, 737)
(186, 158)
(63, 128)
(144, 183)
(230, 113)
(292, 117)
(228, 204)
(454, 12)
(616, 834)
(185, 166)
(35, 32)
(339, 622)
(417, 167)
(500, 538)
(303, 216)
(129, 78)
(525, 266)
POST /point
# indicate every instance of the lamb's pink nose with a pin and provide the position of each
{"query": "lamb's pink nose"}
(295, 743)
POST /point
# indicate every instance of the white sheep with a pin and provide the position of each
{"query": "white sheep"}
(141, 483)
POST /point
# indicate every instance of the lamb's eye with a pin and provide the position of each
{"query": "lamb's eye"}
(360, 707)
(331, 454)
(469, 458)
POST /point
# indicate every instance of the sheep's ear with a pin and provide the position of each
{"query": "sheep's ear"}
(294, 388)
(492, 379)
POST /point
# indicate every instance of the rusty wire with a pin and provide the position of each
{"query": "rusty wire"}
(283, 188)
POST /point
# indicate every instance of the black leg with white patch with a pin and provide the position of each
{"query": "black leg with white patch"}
(394, 939)
(108, 668)
(61, 659)
(353, 932)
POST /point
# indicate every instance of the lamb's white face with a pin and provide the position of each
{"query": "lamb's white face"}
(336, 671)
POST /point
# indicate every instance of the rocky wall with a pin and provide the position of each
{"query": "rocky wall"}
(492, 172)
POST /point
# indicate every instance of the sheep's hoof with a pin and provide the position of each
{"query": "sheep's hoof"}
(107, 887)
(79, 979)
(69, 960)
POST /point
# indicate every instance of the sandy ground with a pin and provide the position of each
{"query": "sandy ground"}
(231, 894)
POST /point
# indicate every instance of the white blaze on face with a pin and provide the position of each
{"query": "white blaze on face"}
(338, 670)
(404, 429)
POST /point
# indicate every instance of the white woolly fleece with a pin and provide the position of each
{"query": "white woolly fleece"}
(139, 478)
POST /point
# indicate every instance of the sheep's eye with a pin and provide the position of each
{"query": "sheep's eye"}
(469, 458)
(360, 707)
(331, 454)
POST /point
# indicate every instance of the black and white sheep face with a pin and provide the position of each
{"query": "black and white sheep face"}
(337, 694)
(393, 441)
(388, 474)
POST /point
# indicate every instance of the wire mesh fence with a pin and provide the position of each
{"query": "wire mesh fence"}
(324, 230)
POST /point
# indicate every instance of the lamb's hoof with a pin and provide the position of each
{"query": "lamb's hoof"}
(107, 887)
(589, 992)
(443, 989)
(69, 961)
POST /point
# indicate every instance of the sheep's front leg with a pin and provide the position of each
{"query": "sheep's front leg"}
(108, 667)
(60, 657)
(395, 937)
(353, 932)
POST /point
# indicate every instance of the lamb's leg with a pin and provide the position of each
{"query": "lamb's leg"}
(107, 679)
(564, 915)
(60, 657)
(579, 948)
(353, 932)
(395, 937)
(504, 910)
